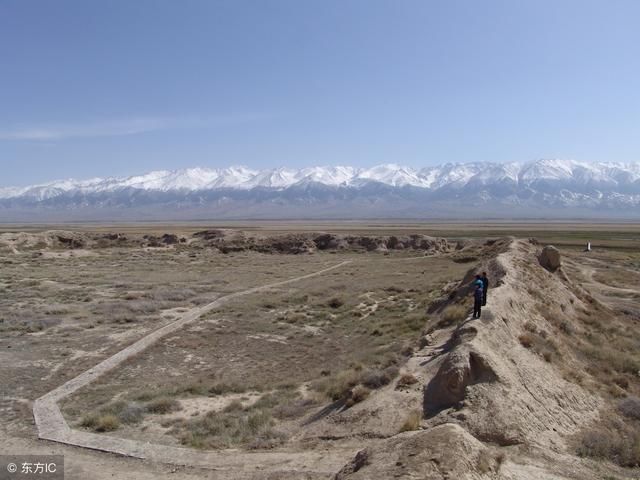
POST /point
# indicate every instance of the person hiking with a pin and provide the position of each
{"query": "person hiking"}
(477, 297)
(485, 287)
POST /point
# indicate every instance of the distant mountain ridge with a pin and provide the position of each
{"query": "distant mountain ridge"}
(550, 186)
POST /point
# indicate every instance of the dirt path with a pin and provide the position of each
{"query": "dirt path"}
(51, 425)
(614, 297)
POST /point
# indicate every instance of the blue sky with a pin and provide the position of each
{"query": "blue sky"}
(97, 88)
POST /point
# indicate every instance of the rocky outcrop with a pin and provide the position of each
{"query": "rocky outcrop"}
(169, 239)
(70, 240)
(228, 241)
(443, 452)
(288, 244)
(461, 368)
(550, 258)
(232, 241)
(327, 241)
(359, 461)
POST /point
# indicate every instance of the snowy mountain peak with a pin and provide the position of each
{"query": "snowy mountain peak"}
(549, 182)
(239, 177)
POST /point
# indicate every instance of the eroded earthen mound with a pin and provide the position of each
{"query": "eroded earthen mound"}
(227, 241)
(445, 451)
(461, 368)
(550, 258)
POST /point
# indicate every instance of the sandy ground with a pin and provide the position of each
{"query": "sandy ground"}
(503, 412)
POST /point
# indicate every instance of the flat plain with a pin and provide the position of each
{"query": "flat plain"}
(296, 368)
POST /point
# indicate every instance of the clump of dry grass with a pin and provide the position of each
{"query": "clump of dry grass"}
(526, 340)
(293, 409)
(376, 378)
(406, 379)
(250, 427)
(412, 422)
(614, 440)
(339, 386)
(145, 395)
(538, 341)
(110, 417)
(411, 322)
(194, 388)
(358, 394)
(224, 388)
(630, 407)
(566, 327)
(173, 294)
(162, 405)
(453, 315)
(26, 323)
(335, 302)
(353, 385)
(234, 406)
(131, 413)
(134, 295)
(484, 463)
(614, 358)
(101, 423)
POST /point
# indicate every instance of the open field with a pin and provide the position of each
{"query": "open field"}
(63, 313)
(291, 349)
(312, 371)
(569, 233)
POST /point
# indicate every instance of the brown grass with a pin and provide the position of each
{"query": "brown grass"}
(539, 342)
(612, 439)
(162, 405)
(526, 340)
(291, 333)
(412, 422)
(335, 302)
(630, 407)
(101, 423)
(406, 379)
(453, 315)
(357, 395)
(251, 427)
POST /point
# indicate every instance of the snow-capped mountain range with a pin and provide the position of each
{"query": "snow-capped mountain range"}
(343, 191)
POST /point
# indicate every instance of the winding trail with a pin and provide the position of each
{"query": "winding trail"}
(52, 426)
(610, 295)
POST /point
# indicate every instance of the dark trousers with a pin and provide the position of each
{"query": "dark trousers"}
(484, 297)
(477, 307)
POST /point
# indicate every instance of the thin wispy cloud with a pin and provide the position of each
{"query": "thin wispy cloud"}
(122, 127)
